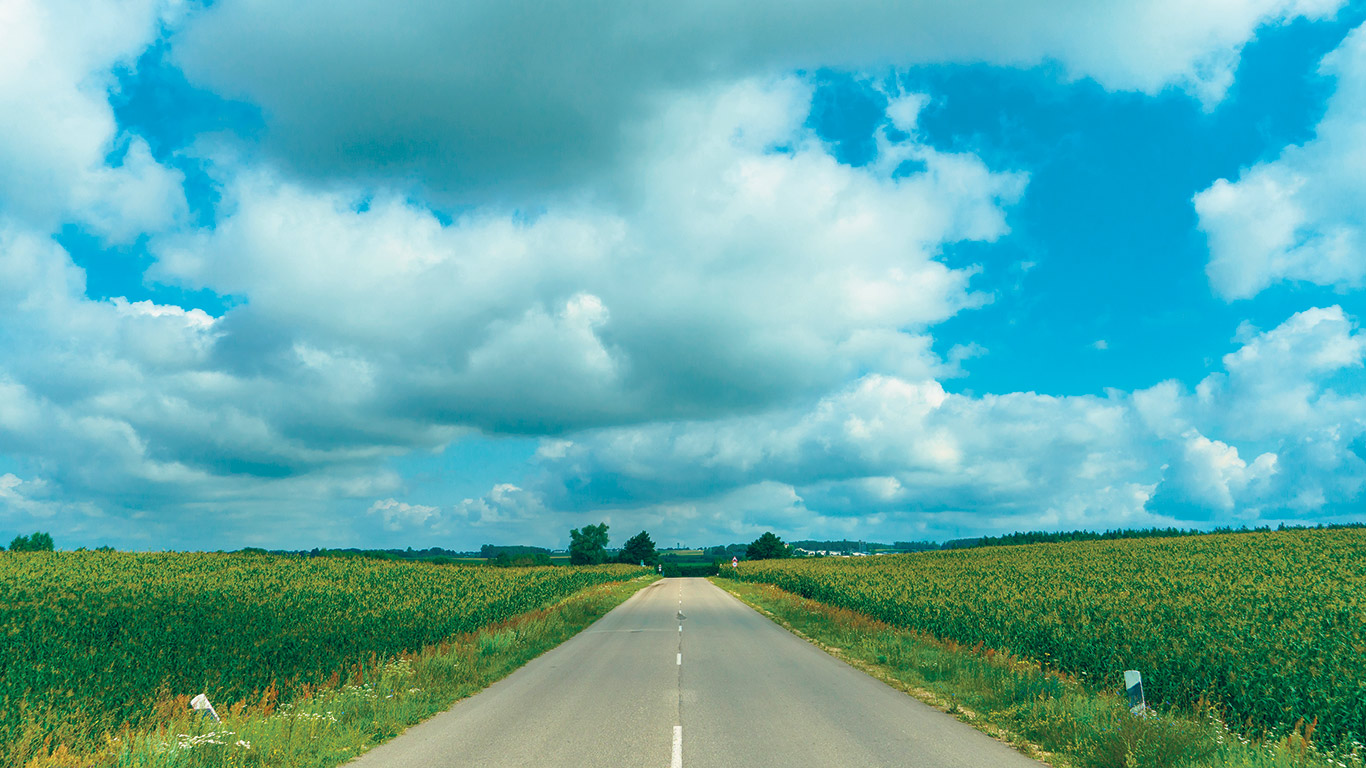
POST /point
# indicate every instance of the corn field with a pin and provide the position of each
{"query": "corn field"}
(1269, 627)
(90, 642)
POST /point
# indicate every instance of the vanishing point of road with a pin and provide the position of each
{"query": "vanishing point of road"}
(683, 674)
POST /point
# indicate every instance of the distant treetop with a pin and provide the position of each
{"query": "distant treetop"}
(768, 547)
(638, 549)
(38, 542)
(588, 545)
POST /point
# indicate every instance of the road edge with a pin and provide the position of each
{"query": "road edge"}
(336, 726)
(883, 674)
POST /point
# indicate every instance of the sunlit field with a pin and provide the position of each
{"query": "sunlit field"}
(93, 642)
(1269, 627)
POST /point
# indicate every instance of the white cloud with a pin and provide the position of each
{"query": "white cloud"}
(1279, 381)
(481, 96)
(36, 505)
(62, 156)
(505, 504)
(732, 326)
(14, 496)
(913, 457)
(1209, 474)
(1302, 216)
(903, 110)
(883, 450)
(734, 276)
(1163, 409)
(729, 274)
(127, 405)
(400, 515)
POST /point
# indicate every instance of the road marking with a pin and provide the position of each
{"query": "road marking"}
(677, 761)
(680, 658)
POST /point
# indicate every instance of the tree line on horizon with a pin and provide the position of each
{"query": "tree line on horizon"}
(38, 541)
(588, 545)
(1054, 537)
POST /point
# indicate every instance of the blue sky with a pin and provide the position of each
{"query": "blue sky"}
(361, 275)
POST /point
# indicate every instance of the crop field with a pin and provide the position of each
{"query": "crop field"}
(1270, 627)
(91, 642)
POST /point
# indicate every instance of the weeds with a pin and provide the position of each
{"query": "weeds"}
(332, 723)
(1058, 718)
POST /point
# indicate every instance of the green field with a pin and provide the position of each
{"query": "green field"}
(1271, 627)
(91, 643)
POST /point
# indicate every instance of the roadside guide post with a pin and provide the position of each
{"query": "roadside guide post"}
(201, 703)
(1133, 685)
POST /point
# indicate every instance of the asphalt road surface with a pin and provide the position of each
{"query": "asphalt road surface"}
(723, 687)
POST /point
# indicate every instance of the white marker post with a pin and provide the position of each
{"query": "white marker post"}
(201, 703)
(1133, 685)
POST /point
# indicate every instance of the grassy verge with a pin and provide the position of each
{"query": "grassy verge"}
(329, 725)
(1057, 719)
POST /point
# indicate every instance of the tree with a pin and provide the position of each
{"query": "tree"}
(506, 559)
(491, 551)
(767, 547)
(639, 549)
(38, 542)
(588, 545)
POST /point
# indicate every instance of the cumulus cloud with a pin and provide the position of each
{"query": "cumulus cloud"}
(882, 446)
(505, 505)
(1302, 216)
(36, 504)
(125, 405)
(1275, 382)
(16, 496)
(745, 267)
(63, 158)
(711, 320)
(748, 269)
(484, 97)
(907, 455)
(399, 515)
(1210, 475)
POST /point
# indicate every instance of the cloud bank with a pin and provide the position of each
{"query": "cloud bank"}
(1302, 216)
(482, 98)
(616, 230)
(887, 451)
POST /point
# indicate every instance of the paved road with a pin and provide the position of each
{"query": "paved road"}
(731, 689)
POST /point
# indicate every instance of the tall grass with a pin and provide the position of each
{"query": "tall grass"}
(90, 641)
(1063, 720)
(330, 723)
(1271, 626)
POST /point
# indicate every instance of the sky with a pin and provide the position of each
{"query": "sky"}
(415, 273)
